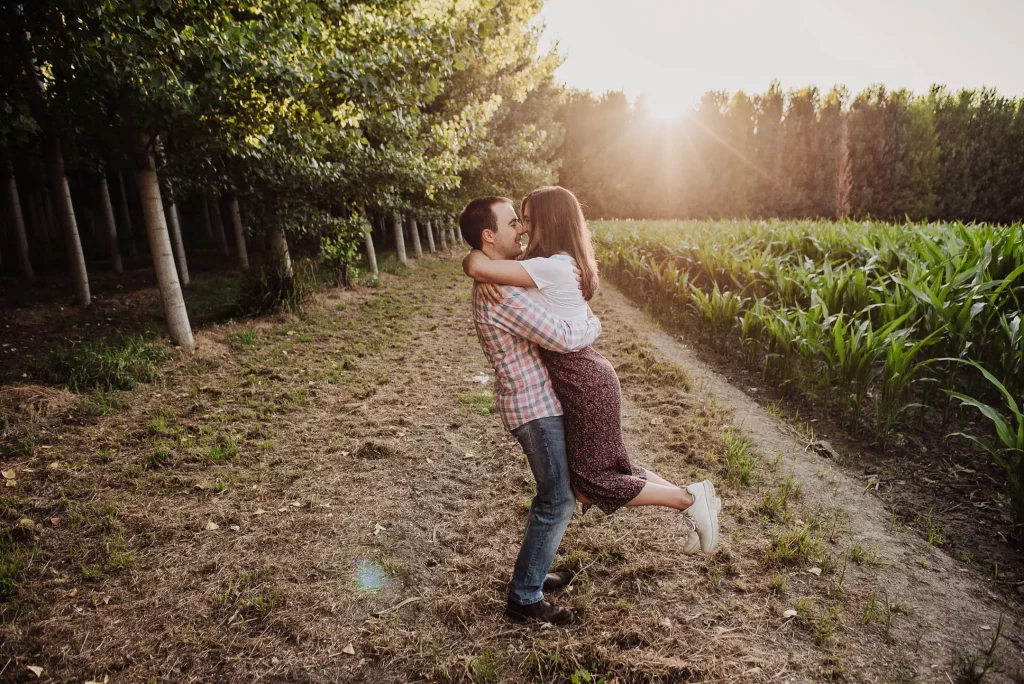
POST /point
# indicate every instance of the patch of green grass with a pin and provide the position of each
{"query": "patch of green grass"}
(13, 560)
(159, 457)
(120, 555)
(268, 288)
(390, 264)
(220, 450)
(101, 402)
(864, 556)
(91, 571)
(477, 402)
(299, 397)
(485, 668)
(23, 447)
(791, 545)
(931, 532)
(244, 338)
(116, 364)
(739, 461)
(160, 423)
(775, 504)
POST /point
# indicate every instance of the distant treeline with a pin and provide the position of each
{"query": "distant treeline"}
(884, 154)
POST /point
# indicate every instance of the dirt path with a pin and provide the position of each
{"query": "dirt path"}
(329, 498)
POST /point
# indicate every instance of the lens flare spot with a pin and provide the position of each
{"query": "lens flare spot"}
(370, 575)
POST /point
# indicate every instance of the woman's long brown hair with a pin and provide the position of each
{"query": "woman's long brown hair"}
(557, 216)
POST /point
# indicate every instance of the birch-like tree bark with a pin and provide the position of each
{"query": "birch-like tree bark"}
(18, 220)
(109, 225)
(160, 245)
(236, 222)
(414, 233)
(399, 239)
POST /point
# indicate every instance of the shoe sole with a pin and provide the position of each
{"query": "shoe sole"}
(709, 502)
(522, 620)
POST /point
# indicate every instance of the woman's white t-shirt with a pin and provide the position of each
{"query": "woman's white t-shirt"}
(557, 289)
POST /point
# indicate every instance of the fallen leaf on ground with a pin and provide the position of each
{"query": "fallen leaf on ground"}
(234, 528)
(349, 649)
(73, 593)
(789, 613)
(665, 623)
(259, 511)
(212, 526)
(27, 523)
(36, 670)
(378, 528)
(9, 474)
(55, 520)
(815, 571)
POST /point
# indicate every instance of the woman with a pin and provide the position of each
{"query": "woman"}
(584, 381)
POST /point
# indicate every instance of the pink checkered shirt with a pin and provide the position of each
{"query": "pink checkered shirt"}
(510, 334)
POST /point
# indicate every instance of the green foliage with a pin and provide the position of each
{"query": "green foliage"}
(1008, 451)
(342, 241)
(270, 288)
(116, 364)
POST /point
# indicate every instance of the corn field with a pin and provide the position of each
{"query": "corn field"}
(887, 324)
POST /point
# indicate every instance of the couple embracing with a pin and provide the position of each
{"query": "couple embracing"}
(558, 396)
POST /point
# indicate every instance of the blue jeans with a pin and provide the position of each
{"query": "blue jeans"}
(543, 441)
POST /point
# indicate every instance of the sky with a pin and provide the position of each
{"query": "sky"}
(676, 50)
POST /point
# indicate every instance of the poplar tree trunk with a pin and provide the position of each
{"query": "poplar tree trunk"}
(414, 233)
(160, 246)
(371, 255)
(218, 224)
(279, 249)
(66, 218)
(207, 228)
(430, 237)
(399, 239)
(442, 231)
(110, 226)
(236, 221)
(14, 202)
(174, 226)
(126, 218)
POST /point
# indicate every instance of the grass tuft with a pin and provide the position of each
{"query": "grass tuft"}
(118, 364)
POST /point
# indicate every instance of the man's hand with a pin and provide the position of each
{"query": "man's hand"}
(491, 293)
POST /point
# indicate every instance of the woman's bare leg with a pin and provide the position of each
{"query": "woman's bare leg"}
(658, 479)
(654, 494)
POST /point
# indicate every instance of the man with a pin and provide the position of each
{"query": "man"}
(510, 332)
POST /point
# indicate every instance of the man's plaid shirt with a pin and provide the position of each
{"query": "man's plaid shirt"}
(510, 334)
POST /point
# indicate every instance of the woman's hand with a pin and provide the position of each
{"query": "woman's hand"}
(491, 293)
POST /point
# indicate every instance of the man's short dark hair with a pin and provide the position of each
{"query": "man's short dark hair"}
(477, 217)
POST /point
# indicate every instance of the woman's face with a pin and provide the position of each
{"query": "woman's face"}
(530, 227)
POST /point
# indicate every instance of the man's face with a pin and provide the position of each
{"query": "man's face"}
(507, 237)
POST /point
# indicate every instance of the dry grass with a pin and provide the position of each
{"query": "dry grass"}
(363, 502)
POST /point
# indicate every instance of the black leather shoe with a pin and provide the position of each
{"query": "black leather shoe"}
(557, 580)
(542, 611)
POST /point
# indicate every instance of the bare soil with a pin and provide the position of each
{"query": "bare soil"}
(329, 498)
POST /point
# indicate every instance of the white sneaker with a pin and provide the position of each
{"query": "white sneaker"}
(692, 543)
(704, 514)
